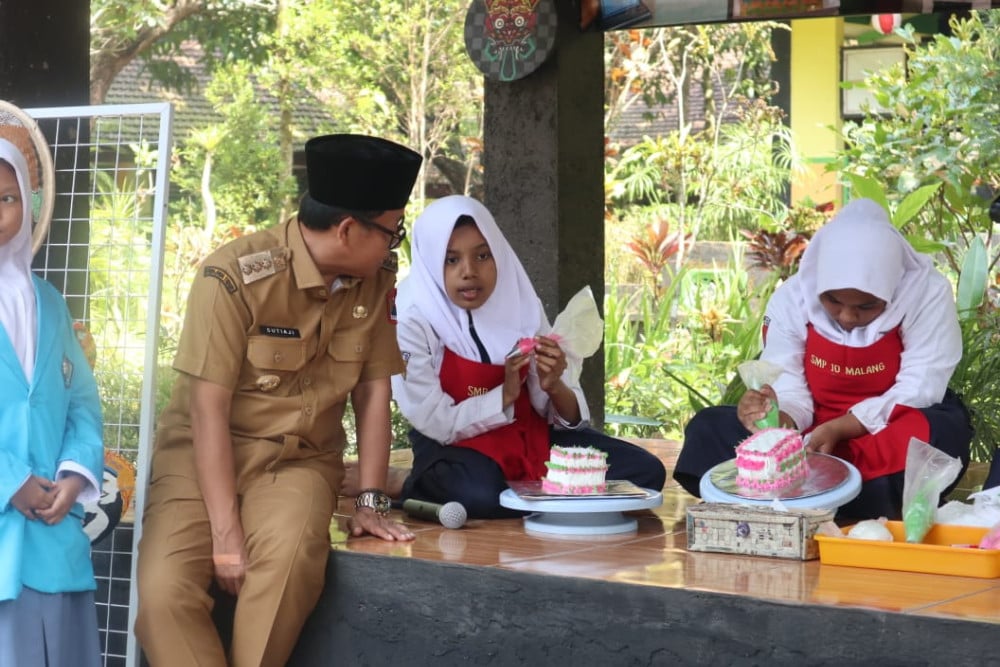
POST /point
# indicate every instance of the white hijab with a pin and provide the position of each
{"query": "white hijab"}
(861, 249)
(17, 293)
(513, 311)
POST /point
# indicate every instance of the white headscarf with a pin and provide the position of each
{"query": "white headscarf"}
(511, 312)
(861, 249)
(17, 293)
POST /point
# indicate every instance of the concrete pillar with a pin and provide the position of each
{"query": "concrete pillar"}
(544, 174)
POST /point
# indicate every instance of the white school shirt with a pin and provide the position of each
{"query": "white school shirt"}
(434, 413)
(932, 347)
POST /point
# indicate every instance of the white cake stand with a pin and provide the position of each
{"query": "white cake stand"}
(582, 515)
(832, 482)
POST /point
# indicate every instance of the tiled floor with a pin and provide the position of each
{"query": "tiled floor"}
(655, 555)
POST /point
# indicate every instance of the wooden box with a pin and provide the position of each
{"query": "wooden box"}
(754, 531)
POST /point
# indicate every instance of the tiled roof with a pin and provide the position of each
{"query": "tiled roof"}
(641, 120)
(134, 85)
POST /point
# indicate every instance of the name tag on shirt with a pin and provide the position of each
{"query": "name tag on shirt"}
(279, 332)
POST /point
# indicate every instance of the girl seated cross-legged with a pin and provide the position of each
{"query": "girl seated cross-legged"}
(480, 416)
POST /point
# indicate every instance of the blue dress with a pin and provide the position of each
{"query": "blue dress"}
(54, 418)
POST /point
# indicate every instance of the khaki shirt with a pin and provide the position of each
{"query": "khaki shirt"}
(261, 321)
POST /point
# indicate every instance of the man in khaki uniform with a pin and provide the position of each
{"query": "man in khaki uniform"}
(281, 327)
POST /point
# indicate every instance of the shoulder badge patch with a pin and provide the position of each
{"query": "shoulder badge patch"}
(262, 264)
(67, 372)
(390, 305)
(391, 262)
(223, 277)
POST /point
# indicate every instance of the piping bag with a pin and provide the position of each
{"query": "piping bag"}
(578, 329)
(929, 471)
(755, 374)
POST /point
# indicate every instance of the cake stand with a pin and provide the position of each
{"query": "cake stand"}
(832, 482)
(597, 514)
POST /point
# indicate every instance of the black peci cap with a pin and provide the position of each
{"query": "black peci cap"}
(360, 172)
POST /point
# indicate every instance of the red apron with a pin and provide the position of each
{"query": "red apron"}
(520, 448)
(839, 377)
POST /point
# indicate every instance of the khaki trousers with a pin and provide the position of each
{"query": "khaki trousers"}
(286, 510)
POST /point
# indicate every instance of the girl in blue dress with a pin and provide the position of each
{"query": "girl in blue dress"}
(51, 453)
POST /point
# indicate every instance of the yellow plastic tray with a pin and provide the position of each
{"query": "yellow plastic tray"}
(940, 552)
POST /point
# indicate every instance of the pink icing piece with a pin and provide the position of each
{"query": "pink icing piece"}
(526, 345)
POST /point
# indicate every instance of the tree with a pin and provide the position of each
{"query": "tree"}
(397, 69)
(402, 71)
(941, 130)
(657, 67)
(123, 31)
(732, 167)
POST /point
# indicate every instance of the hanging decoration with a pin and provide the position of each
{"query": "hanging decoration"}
(886, 23)
(510, 39)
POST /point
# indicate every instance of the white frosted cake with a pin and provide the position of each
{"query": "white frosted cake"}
(575, 471)
(771, 460)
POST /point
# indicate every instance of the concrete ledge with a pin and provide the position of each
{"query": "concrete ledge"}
(382, 610)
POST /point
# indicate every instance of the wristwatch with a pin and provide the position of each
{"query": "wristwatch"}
(374, 499)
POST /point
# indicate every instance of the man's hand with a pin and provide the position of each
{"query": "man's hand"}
(229, 556)
(367, 520)
(371, 413)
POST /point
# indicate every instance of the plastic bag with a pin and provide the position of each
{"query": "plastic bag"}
(578, 329)
(871, 529)
(929, 471)
(983, 511)
(755, 374)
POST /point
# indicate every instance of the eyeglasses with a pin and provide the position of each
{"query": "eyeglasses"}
(395, 237)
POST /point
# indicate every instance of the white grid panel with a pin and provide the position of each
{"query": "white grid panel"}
(105, 253)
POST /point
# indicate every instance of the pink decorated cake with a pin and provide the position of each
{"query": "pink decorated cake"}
(771, 460)
(575, 471)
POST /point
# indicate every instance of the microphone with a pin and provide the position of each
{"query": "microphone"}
(450, 515)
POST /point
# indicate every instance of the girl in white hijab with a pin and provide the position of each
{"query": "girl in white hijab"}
(867, 335)
(17, 298)
(482, 413)
(51, 453)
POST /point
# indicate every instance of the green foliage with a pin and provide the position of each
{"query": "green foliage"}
(656, 66)
(728, 171)
(710, 182)
(667, 358)
(228, 30)
(673, 342)
(403, 73)
(247, 178)
(972, 281)
(942, 132)
(977, 380)
(228, 179)
(119, 260)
